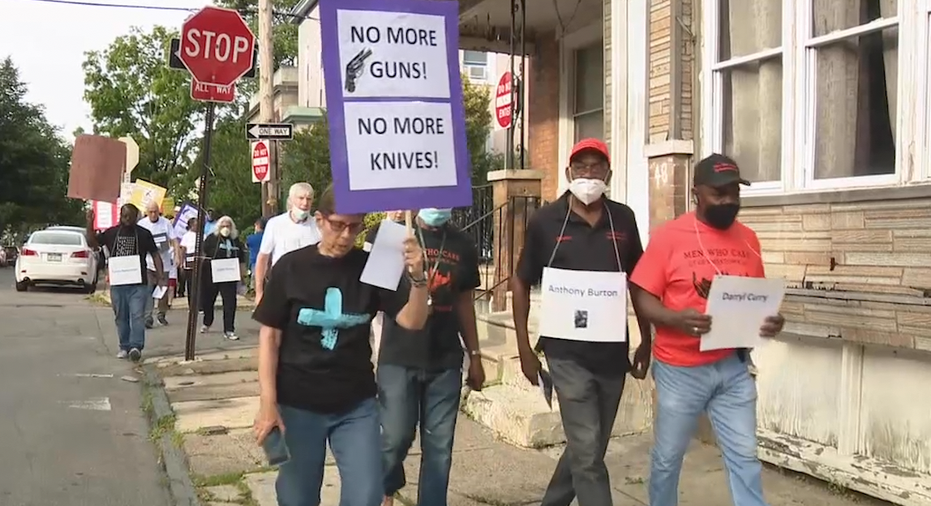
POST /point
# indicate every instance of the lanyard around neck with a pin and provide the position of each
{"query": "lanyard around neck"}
(436, 264)
(617, 253)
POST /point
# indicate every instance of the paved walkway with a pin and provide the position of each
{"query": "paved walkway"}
(215, 400)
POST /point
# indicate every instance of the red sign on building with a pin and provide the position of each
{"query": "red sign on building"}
(212, 92)
(260, 172)
(503, 106)
(217, 46)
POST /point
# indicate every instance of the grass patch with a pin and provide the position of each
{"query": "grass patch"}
(235, 479)
(164, 425)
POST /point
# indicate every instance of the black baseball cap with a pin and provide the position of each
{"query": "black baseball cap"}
(717, 170)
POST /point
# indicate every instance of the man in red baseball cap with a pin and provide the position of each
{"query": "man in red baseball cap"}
(579, 249)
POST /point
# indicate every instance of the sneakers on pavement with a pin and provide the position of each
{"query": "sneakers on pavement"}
(122, 354)
(231, 336)
(135, 355)
(149, 323)
(204, 329)
(162, 320)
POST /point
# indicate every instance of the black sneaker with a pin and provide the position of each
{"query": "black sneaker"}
(149, 323)
(135, 355)
(162, 320)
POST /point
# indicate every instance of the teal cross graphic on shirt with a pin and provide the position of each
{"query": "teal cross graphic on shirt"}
(331, 319)
(228, 246)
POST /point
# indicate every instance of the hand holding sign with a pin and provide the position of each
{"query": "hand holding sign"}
(772, 326)
(691, 322)
(743, 310)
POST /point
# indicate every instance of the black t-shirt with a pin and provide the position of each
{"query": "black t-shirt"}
(324, 314)
(221, 248)
(582, 247)
(130, 240)
(437, 346)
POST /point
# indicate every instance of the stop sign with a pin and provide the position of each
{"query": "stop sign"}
(216, 46)
(503, 109)
(259, 162)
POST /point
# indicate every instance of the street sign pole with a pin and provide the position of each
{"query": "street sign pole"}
(191, 337)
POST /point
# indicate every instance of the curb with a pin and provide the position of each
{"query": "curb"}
(173, 459)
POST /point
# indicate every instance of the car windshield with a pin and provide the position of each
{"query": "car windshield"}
(59, 238)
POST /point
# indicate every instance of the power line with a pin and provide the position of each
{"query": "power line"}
(159, 7)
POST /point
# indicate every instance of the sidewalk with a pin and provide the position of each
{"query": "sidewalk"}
(214, 400)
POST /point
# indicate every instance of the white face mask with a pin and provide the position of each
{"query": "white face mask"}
(587, 190)
(225, 231)
(299, 214)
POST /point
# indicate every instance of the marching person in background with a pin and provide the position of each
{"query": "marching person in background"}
(210, 222)
(285, 233)
(420, 372)
(254, 244)
(173, 275)
(222, 244)
(379, 320)
(671, 286)
(315, 363)
(164, 235)
(188, 246)
(129, 245)
(584, 232)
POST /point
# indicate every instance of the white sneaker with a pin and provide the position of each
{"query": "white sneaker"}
(231, 336)
(204, 329)
(123, 354)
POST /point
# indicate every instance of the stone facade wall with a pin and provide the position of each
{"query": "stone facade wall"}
(543, 112)
(858, 272)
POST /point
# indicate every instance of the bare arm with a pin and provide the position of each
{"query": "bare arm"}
(261, 268)
(650, 309)
(643, 321)
(465, 310)
(413, 316)
(269, 344)
(520, 299)
(90, 232)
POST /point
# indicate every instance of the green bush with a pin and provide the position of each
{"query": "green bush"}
(371, 220)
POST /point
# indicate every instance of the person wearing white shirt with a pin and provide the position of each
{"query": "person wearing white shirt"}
(188, 257)
(285, 233)
(164, 235)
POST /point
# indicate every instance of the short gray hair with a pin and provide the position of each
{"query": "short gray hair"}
(298, 188)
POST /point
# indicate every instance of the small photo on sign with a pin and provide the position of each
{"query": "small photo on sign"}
(393, 54)
(581, 319)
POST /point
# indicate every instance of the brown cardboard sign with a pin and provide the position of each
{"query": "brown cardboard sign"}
(96, 168)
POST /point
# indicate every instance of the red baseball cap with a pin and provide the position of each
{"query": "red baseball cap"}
(593, 144)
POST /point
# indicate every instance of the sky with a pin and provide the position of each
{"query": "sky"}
(47, 42)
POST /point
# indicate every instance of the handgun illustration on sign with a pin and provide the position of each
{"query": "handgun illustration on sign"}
(356, 68)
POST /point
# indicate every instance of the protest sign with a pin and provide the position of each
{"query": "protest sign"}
(145, 192)
(186, 212)
(106, 215)
(738, 306)
(396, 116)
(583, 305)
(96, 168)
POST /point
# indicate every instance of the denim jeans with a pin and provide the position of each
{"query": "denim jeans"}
(588, 403)
(410, 397)
(727, 392)
(128, 302)
(353, 438)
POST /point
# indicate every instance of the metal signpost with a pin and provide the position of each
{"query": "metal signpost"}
(217, 48)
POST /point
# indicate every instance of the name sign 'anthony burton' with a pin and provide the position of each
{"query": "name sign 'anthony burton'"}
(393, 54)
(399, 144)
(738, 306)
(583, 305)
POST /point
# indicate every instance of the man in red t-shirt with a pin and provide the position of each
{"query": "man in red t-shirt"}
(671, 285)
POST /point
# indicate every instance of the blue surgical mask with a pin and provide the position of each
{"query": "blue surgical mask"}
(435, 217)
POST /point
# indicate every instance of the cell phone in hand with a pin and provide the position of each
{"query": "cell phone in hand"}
(276, 450)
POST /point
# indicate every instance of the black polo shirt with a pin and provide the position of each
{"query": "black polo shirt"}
(582, 247)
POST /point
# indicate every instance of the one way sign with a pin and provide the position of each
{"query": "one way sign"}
(269, 131)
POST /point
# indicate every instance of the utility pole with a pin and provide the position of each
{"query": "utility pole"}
(267, 103)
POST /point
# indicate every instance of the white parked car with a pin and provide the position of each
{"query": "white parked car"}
(56, 257)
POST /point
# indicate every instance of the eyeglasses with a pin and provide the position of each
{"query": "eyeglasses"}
(589, 169)
(341, 226)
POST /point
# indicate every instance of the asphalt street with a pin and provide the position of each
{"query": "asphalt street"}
(72, 432)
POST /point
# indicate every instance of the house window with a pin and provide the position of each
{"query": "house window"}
(804, 93)
(475, 64)
(588, 92)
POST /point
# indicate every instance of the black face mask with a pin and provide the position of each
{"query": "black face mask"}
(722, 216)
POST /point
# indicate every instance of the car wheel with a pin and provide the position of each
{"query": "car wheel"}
(22, 286)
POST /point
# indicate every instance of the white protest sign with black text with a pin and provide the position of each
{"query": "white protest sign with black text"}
(393, 54)
(738, 306)
(584, 305)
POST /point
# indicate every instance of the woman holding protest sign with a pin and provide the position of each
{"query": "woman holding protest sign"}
(316, 376)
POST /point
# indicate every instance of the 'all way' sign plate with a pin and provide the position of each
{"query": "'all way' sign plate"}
(270, 131)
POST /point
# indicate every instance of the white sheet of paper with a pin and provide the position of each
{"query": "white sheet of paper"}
(738, 306)
(224, 270)
(385, 264)
(159, 292)
(584, 305)
(124, 270)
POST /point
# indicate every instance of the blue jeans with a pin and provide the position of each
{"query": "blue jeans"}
(727, 392)
(353, 438)
(409, 397)
(128, 302)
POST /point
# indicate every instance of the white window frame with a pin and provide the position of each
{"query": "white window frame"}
(573, 113)
(798, 50)
(568, 44)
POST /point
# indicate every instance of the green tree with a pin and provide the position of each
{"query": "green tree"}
(34, 162)
(132, 91)
(476, 100)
